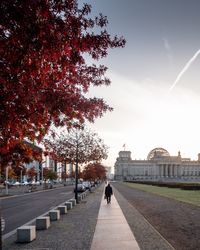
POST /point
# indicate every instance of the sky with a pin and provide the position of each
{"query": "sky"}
(155, 89)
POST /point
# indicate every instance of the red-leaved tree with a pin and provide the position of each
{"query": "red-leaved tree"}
(31, 172)
(21, 152)
(44, 74)
(94, 171)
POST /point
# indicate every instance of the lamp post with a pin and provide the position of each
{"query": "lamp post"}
(42, 174)
(7, 180)
(76, 176)
(7, 168)
(21, 174)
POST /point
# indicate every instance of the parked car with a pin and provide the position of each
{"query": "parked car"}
(80, 188)
(92, 184)
(35, 183)
(16, 183)
(25, 183)
(9, 183)
(87, 185)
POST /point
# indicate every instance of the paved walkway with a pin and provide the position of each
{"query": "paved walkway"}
(112, 231)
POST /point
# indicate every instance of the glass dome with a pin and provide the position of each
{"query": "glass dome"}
(157, 152)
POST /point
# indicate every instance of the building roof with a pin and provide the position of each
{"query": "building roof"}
(157, 152)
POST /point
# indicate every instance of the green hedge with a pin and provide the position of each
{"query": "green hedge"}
(181, 185)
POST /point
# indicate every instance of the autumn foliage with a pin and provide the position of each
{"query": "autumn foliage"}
(31, 173)
(21, 152)
(44, 74)
(77, 146)
(94, 171)
(49, 174)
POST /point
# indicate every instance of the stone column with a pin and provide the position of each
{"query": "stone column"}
(170, 170)
(161, 170)
(167, 170)
(173, 173)
(176, 171)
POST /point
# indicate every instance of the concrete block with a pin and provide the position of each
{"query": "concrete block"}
(79, 198)
(62, 209)
(26, 234)
(42, 223)
(54, 215)
(69, 205)
(73, 202)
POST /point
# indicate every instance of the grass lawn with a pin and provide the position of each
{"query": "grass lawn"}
(188, 196)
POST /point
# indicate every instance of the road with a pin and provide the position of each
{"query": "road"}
(18, 210)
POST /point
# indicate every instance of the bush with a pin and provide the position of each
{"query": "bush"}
(184, 186)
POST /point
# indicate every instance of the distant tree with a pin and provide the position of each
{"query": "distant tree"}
(44, 74)
(11, 174)
(94, 171)
(49, 174)
(64, 176)
(78, 146)
(31, 173)
(45, 173)
(20, 170)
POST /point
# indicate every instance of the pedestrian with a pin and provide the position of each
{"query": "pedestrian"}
(108, 193)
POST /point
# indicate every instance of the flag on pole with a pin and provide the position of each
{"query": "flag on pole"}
(124, 146)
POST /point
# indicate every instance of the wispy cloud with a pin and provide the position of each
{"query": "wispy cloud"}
(168, 50)
(166, 45)
(188, 64)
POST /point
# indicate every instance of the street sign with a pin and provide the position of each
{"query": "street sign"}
(3, 224)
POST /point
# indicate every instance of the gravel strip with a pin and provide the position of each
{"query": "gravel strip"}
(147, 237)
(74, 231)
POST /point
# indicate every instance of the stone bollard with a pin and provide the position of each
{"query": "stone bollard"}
(54, 215)
(42, 223)
(79, 198)
(69, 205)
(73, 202)
(62, 209)
(26, 234)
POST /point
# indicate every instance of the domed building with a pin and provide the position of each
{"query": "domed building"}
(159, 165)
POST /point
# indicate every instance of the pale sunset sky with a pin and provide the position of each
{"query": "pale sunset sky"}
(155, 89)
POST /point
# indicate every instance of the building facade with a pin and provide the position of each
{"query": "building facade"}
(159, 165)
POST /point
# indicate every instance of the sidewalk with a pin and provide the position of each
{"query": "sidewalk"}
(112, 230)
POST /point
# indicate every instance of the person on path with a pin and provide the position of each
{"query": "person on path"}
(108, 193)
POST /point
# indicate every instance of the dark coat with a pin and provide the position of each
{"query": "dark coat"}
(108, 190)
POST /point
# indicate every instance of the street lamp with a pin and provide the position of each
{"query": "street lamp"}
(21, 174)
(42, 175)
(7, 168)
(76, 176)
